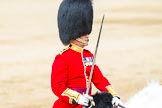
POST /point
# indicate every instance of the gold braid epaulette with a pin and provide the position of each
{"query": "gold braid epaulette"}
(63, 50)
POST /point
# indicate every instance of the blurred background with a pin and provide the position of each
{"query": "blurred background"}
(129, 53)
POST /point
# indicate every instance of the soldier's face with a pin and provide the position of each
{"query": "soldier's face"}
(82, 41)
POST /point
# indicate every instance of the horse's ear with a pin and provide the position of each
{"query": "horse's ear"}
(103, 100)
(96, 97)
(107, 97)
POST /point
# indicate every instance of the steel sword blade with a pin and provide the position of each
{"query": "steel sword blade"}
(94, 60)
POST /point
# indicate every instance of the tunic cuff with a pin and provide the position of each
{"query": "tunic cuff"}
(111, 91)
(72, 95)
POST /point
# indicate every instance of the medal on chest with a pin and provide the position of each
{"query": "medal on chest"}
(88, 61)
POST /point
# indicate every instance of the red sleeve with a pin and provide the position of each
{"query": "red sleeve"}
(99, 80)
(59, 76)
(59, 81)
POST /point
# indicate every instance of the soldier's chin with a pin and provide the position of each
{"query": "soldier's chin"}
(86, 41)
(83, 41)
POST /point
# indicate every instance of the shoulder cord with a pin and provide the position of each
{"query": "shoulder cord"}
(86, 77)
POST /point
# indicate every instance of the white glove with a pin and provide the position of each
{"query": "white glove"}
(116, 102)
(84, 99)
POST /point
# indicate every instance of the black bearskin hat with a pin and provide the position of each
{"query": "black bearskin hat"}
(75, 18)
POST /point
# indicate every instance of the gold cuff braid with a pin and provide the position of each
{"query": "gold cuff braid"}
(73, 95)
(111, 91)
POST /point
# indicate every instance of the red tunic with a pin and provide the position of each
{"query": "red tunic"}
(68, 73)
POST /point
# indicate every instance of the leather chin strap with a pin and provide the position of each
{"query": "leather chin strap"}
(81, 40)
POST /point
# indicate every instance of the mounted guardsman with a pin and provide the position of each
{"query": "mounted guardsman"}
(71, 68)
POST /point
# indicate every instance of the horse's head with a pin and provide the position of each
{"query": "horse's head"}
(102, 100)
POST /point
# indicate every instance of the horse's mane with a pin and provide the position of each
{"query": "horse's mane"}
(149, 97)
